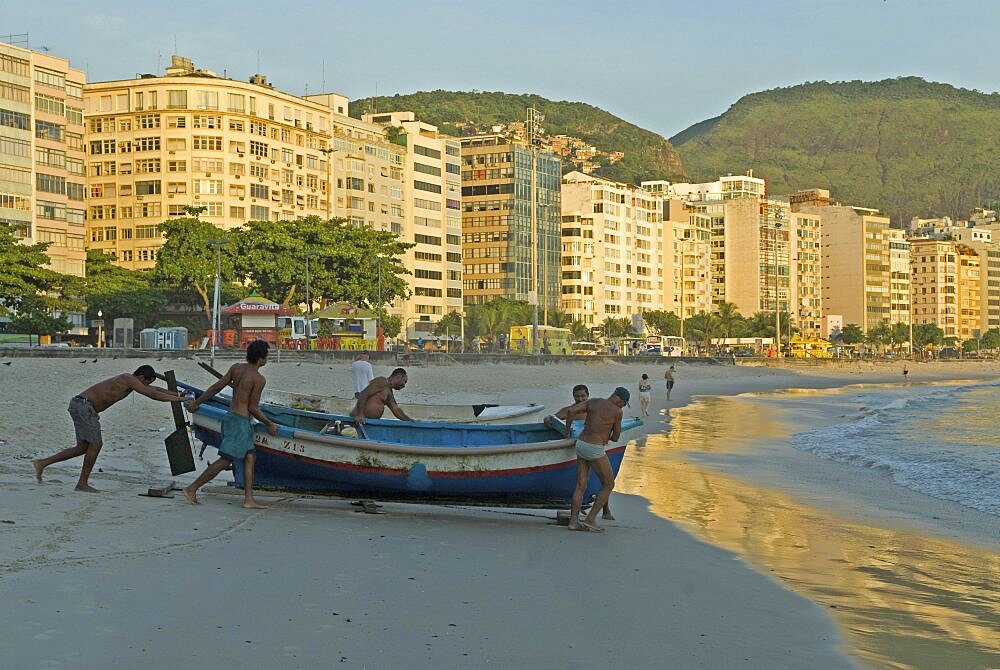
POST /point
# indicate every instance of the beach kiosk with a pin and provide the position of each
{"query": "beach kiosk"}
(256, 318)
(344, 326)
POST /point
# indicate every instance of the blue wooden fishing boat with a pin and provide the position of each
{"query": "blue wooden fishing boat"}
(513, 464)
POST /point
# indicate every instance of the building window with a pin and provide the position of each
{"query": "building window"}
(147, 187)
(177, 99)
(207, 143)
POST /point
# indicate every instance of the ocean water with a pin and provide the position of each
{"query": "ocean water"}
(941, 440)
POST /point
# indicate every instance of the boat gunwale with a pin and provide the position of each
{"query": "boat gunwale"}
(487, 450)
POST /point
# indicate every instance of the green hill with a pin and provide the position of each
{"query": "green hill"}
(907, 146)
(647, 155)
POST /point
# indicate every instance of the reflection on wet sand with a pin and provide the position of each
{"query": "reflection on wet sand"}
(901, 599)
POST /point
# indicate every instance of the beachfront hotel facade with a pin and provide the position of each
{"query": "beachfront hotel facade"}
(42, 182)
(613, 240)
(504, 189)
(432, 215)
(245, 152)
(899, 276)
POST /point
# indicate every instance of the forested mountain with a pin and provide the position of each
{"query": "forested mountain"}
(646, 154)
(907, 146)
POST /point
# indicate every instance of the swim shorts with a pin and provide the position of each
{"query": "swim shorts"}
(588, 451)
(237, 437)
(86, 421)
(670, 384)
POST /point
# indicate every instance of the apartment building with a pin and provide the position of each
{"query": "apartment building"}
(42, 158)
(507, 185)
(245, 151)
(899, 276)
(42, 155)
(946, 286)
(806, 271)
(613, 238)
(857, 264)
(432, 215)
(156, 145)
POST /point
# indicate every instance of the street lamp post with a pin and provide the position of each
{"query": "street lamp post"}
(100, 328)
(218, 244)
(378, 312)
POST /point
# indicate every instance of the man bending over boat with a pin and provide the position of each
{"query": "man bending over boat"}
(85, 408)
(237, 431)
(378, 395)
(603, 423)
(581, 394)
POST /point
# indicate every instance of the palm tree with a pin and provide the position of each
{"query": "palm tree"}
(703, 326)
(731, 322)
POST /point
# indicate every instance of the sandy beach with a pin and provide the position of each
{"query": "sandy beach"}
(117, 580)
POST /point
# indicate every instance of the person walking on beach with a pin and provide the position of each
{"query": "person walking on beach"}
(85, 409)
(378, 395)
(603, 423)
(237, 432)
(645, 393)
(669, 376)
(581, 394)
(362, 373)
(906, 373)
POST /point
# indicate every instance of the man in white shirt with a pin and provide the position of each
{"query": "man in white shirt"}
(362, 372)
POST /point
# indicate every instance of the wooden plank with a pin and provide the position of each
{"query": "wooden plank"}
(178, 443)
(161, 491)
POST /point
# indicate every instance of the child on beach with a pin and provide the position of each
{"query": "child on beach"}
(85, 408)
(645, 394)
(237, 432)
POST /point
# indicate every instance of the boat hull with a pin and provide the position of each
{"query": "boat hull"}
(526, 464)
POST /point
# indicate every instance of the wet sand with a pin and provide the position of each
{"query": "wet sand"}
(115, 579)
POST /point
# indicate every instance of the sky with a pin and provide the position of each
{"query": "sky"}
(662, 65)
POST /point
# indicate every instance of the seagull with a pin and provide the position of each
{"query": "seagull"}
(84, 360)
(7, 362)
(94, 361)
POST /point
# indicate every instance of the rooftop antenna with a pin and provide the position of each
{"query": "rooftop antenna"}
(159, 55)
(175, 43)
(258, 61)
(323, 75)
(375, 100)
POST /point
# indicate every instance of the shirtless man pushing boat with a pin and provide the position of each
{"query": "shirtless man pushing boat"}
(237, 432)
(581, 394)
(378, 395)
(85, 409)
(603, 424)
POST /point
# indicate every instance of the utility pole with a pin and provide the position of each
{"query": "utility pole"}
(534, 118)
(218, 244)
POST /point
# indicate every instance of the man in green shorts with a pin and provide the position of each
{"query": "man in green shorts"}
(237, 431)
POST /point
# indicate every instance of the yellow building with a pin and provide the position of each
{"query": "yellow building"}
(246, 151)
(857, 264)
(42, 154)
(242, 150)
(946, 286)
(899, 276)
(806, 268)
(613, 238)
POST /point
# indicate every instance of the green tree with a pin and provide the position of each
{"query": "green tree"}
(879, 335)
(614, 327)
(703, 327)
(925, 334)
(346, 267)
(24, 275)
(662, 322)
(450, 323)
(119, 292)
(851, 334)
(990, 339)
(899, 334)
(188, 262)
(36, 318)
(270, 259)
(391, 325)
(579, 331)
(731, 323)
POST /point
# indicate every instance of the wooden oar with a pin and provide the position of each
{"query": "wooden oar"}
(178, 444)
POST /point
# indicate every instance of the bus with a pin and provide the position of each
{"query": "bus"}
(665, 345)
(584, 348)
